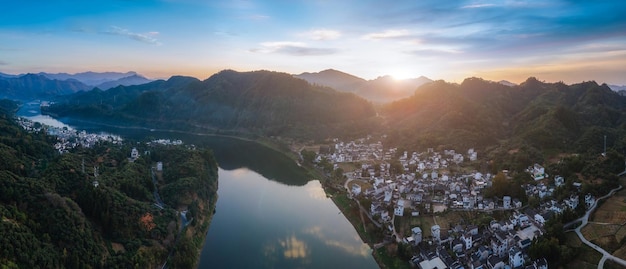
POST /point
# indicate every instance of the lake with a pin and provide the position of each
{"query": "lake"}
(269, 213)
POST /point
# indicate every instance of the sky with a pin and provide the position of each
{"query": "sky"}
(552, 40)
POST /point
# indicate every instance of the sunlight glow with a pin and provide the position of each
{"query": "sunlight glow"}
(400, 74)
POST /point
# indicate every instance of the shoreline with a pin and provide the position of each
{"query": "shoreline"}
(278, 146)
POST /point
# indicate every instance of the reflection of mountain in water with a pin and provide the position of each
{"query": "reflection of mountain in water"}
(231, 153)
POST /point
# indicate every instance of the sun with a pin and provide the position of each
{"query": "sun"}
(400, 74)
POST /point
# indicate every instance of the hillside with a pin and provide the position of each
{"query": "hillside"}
(31, 86)
(539, 118)
(380, 90)
(54, 217)
(258, 103)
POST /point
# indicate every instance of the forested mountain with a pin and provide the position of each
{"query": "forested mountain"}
(125, 81)
(261, 102)
(32, 86)
(380, 90)
(537, 118)
(54, 216)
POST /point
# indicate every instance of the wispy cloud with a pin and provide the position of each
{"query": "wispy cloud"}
(388, 34)
(3, 63)
(321, 34)
(255, 17)
(292, 48)
(148, 37)
(434, 52)
(478, 6)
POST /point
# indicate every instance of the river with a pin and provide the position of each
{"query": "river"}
(269, 213)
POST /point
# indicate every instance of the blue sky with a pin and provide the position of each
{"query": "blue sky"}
(553, 40)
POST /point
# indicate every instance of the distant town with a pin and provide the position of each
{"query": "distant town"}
(426, 184)
(69, 138)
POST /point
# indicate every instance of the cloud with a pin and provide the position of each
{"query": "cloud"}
(355, 248)
(148, 38)
(321, 34)
(3, 63)
(478, 5)
(292, 48)
(434, 52)
(388, 34)
(256, 17)
(294, 248)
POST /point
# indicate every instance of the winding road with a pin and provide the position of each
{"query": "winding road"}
(585, 219)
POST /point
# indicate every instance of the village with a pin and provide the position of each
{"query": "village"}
(68, 138)
(430, 183)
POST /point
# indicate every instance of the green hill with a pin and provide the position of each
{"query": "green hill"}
(541, 119)
(258, 103)
(52, 216)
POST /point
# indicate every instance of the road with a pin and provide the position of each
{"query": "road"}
(584, 220)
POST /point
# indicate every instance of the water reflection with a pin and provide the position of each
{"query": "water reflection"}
(279, 226)
(294, 248)
(351, 247)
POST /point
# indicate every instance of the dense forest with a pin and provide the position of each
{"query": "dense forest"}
(54, 215)
(257, 103)
(515, 125)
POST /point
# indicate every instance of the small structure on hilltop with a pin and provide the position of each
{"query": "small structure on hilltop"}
(134, 154)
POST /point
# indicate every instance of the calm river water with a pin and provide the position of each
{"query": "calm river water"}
(269, 213)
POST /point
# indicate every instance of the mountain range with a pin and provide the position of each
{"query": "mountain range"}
(91, 78)
(380, 90)
(533, 119)
(32, 86)
(258, 103)
(46, 85)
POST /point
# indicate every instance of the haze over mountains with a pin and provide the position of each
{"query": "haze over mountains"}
(47, 85)
(380, 90)
(529, 118)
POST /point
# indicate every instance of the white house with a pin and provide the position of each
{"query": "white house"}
(506, 202)
(539, 219)
(134, 154)
(399, 209)
(356, 189)
(468, 240)
(159, 166)
(516, 259)
(589, 200)
(538, 172)
(435, 230)
(558, 181)
(417, 234)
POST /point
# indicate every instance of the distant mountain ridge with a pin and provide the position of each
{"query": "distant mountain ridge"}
(33, 86)
(258, 103)
(380, 90)
(89, 78)
(46, 85)
(125, 81)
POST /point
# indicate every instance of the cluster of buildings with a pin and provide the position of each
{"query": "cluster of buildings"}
(495, 246)
(165, 142)
(426, 183)
(68, 138)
